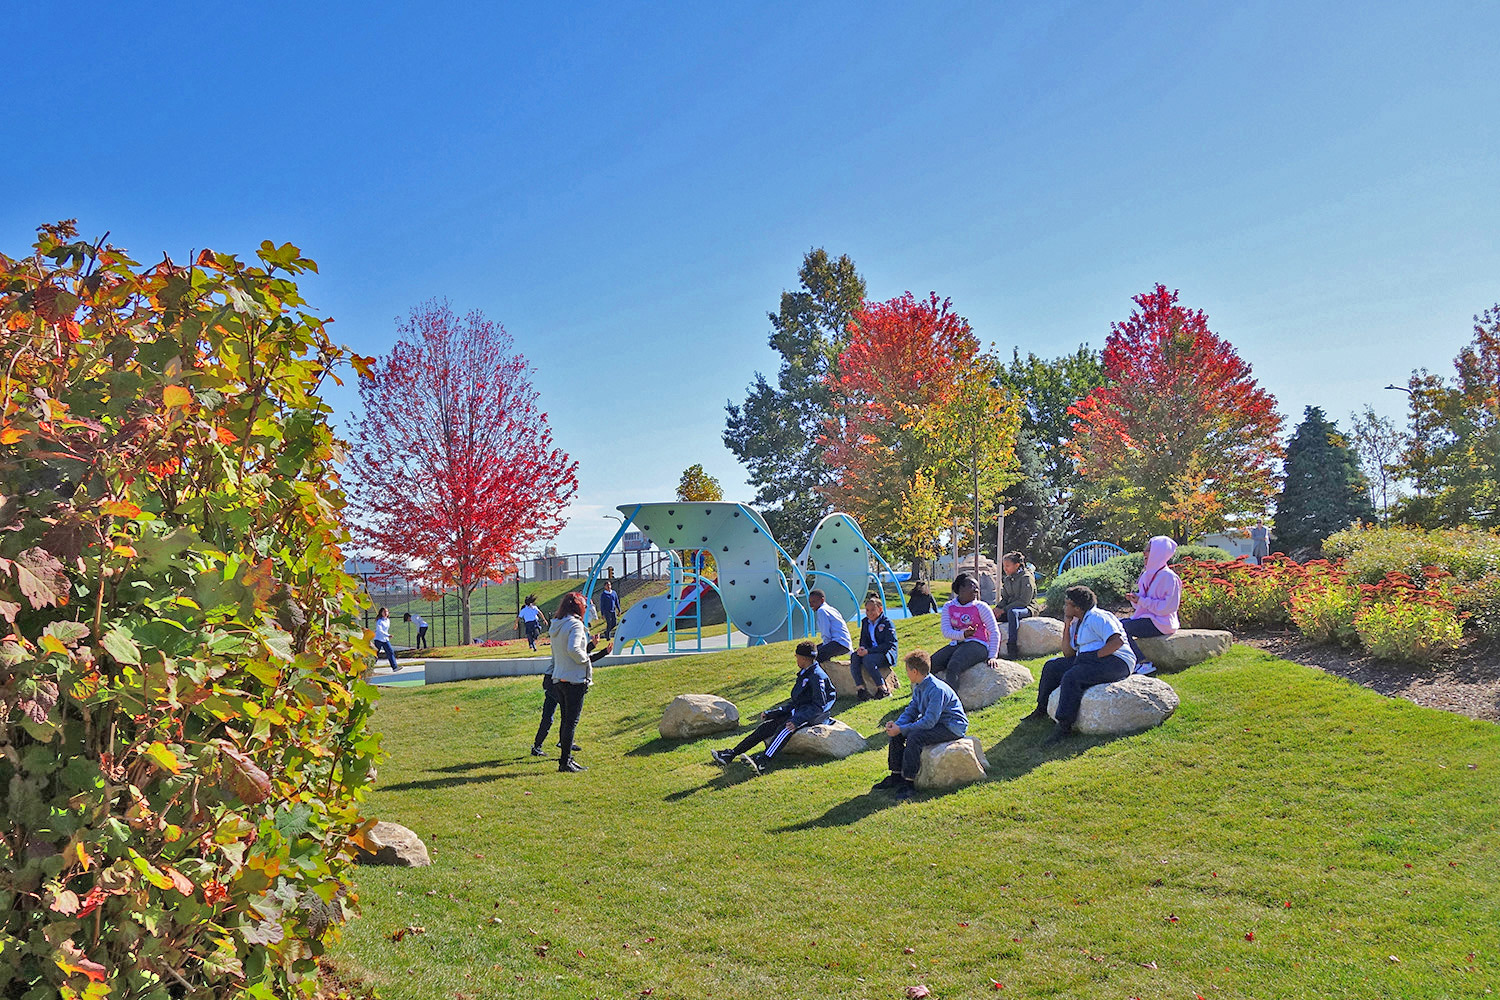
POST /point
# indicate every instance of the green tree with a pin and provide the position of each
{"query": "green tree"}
(697, 486)
(1379, 443)
(923, 517)
(775, 432)
(1453, 449)
(1324, 489)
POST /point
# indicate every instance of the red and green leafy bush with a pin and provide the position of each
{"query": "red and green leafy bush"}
(1368, 552)
(1237, 594)
(1399, 621)
(185, 730)
(1479, 604)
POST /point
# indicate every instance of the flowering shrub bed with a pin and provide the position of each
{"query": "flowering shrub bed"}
(1368, 553)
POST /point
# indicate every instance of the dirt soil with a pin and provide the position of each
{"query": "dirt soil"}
(1468, 684)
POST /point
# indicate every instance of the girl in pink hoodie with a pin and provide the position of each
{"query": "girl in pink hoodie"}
(1157, 594)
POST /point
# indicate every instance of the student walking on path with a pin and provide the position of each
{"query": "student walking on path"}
(421, 627)
(530, 619)
(383, 637)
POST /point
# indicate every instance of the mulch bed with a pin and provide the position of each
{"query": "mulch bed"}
(1467, 684)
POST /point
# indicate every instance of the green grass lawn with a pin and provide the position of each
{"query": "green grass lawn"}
(1338, 828)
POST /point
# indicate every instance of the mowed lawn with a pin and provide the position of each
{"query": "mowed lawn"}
(1285, 834)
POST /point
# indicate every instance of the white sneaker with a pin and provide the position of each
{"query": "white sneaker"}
(1145, 668)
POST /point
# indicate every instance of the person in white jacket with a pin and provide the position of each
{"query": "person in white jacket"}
(969, 626)
(572, 671)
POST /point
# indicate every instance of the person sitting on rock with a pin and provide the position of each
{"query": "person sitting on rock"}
(812, 699)
(1017, 598)
(1094, 652)
(833, 631)
(877, 648)
(969, 626)
(1157, 595)
(934, 715)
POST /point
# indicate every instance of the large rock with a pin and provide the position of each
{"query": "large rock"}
(829, 739)
(1137, 702)
(692, 715)
(1039, 637)
(1185, 647)
(982, 685)
(393, 844)
(843, 679)
(948, 765)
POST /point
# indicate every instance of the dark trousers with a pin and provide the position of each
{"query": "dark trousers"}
(1144, 628)
(570, 700)
(953, 660)
(1013, 618)
(831, 650)
(422, 638)
(1072, 675)
(549, 707)
(904, 754)
(609, 624)
(383, 648)
(771, 731)
(533, 632)
(861, 666)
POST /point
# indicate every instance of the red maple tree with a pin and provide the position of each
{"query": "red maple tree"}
(454, 469)
(1182, 440)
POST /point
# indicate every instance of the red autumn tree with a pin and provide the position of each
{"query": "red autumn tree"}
(455, 472)
(906, 361)
(1182, 439)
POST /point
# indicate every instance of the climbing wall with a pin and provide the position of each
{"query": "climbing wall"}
(750, 579)
(838, 557)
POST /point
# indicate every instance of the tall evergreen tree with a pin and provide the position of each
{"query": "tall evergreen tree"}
(1325, 489)
(776, 432)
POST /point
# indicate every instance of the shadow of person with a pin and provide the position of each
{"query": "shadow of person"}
(478, 764)
(1021, 749)
(843, 814)
(432, 784)
(735, 774)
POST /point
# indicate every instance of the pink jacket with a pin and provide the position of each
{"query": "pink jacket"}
(1159, 588)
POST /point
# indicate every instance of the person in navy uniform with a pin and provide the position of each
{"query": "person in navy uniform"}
(877, 648)
(812, 699)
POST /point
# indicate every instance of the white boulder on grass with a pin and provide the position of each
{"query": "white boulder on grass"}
(693, 715)
(1039, 637)
(982, 685)
(832, 739)
(392, 844)
(1185, 647)
(1138, 702)
(949, 765)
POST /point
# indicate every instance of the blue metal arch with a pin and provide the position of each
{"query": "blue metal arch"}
(1094, 553)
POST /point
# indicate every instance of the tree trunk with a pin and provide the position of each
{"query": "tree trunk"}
(465, 628)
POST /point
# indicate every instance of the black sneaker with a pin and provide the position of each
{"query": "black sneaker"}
(753, 762)
(1036, 715)
(570, 767)
(537, 751)
(1056, 736)
(722, 757)
(892, 780)
(881, 693)
(862, 694)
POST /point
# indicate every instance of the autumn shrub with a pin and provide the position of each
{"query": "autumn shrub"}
(185, 738)
(1478, 603)
(1368, 553)
(1323, 610)
(1238, 594)
(1399, 619)
(1112, 579)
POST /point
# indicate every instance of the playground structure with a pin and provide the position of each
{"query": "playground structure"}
(763, 588)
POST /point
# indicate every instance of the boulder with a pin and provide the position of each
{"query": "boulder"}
(392, 844)
(692, 715)
(1185, 647)
(949, 765)
(843, 680)
(1039, 637)
(982, 685)
(828, 739)
(1137, 702)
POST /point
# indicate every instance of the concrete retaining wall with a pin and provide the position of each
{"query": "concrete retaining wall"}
(443, 671)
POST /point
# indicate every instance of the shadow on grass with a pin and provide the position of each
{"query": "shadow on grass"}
(843, 814)
(1021, 750)
(476, 765)
(432, 784)
(735, 774)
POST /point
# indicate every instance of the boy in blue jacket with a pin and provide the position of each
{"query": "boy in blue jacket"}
(811, 702)
(934, 715)
(877, 648)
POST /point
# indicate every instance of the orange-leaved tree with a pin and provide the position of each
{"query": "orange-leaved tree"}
(185, 737)
(1182, 439)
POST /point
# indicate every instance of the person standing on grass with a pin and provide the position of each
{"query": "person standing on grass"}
(969, 626)
(1260, 542)
(934, 715)
(812, 699)
(383, 637)
(877, 648)
(1017, 598)
(421, 628)
(1156, 598)
(609, 606)
(572, 673)
(1095, 651)
(833, 631)
(530, 619)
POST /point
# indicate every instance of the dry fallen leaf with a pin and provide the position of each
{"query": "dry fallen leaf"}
(1249, 935)
(917, 992)
(908, 951)
(1148, 965)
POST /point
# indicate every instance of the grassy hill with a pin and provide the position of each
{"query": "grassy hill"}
(1285, 834)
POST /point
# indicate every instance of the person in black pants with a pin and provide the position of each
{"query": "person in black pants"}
(813, 695)
(1095, 651)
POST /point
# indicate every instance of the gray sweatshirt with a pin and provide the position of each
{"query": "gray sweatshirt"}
(570, 651)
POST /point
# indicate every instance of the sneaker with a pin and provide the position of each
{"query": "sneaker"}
(1056, 736)
(570, 767)
(862, 695)
(891, 780)
(1145, 668)
(722, 757)
(1037, 715)
(537, 751)
(881, 693)
(754, 761)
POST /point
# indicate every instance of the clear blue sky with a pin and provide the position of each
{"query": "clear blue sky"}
(628, 188)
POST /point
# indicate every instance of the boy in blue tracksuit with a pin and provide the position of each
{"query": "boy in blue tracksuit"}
(877, 648)
(934, 715)
(811, 702)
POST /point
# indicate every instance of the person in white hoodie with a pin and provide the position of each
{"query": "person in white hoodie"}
(572, 671)
(1155, 600)
(969, 626)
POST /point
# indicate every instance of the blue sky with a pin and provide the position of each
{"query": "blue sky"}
(628, 189)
